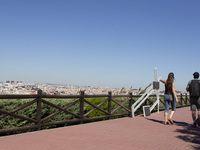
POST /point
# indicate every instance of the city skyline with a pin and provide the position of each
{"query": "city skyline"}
(108, 43)
(15, 87)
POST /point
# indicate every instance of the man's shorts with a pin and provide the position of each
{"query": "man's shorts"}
(194, 103)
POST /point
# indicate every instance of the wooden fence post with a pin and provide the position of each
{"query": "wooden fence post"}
(82, 106)
(186, 98)
(130, 103)
(181, 100)
(39, 110)
(109, 104)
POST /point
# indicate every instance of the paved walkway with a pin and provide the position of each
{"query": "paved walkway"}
(137, 133)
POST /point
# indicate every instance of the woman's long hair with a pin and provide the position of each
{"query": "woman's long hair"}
(170, 80)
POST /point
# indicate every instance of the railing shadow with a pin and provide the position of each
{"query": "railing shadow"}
(188, 133)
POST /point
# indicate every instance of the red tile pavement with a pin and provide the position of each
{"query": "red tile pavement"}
(118, 134)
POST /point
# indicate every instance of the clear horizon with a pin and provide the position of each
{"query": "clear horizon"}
(108, 43)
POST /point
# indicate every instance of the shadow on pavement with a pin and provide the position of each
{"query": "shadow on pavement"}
(188, 133)
(154, 120)
(176, 122)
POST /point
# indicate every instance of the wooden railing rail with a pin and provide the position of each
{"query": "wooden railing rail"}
(111, 101)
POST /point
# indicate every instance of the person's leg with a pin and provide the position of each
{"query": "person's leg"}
(194, 116)
(165, 118)
(193, 110)
(198, 108)
(171, 115)
(166, 111)
(173, 104)
(198, 118)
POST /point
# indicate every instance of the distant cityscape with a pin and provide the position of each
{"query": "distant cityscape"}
(18, 87)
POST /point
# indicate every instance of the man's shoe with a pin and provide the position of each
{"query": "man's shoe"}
(195, 124)
(198, 121)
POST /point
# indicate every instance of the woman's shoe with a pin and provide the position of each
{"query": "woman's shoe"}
(171, 121)
(166, 123)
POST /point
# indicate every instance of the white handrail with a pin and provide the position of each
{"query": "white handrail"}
(148, 89)
(142, 99)
(146, 94)
(154, 105)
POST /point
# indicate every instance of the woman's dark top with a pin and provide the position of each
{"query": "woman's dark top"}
(168, 88)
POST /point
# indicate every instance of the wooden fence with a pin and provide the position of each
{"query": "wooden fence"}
(80, 117)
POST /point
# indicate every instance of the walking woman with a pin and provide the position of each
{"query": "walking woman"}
(170, 97)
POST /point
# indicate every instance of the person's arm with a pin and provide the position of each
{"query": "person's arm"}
(187, 88)
(163, 81)
(174, 92)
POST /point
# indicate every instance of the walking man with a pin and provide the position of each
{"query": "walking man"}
(193, 87)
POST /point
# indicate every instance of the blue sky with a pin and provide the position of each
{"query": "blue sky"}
(103, 43)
